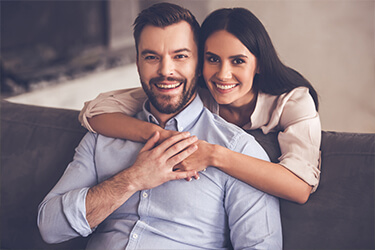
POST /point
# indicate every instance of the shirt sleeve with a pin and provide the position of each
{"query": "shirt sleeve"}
(300, 137)
(62, 213)
(126, 101)
(253, 216)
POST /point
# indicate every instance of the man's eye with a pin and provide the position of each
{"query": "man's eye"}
(181, 56)
(150, 57)
(238, 61)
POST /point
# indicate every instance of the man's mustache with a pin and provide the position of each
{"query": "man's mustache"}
(163, 78)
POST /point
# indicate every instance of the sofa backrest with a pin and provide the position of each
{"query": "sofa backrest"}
(37, 144)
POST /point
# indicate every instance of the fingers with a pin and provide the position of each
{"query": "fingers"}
(151, 142)
(179, 175)
(196, 177)
(182, 151)
(173, 140)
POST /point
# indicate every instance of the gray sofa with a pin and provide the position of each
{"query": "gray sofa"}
(37, 143)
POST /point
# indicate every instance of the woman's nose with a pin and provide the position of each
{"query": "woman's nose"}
(224, 72)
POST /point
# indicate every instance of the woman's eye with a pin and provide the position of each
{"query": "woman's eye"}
(212, 59)
(238, 61)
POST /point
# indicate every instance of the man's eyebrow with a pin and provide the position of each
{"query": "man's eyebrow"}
(182, 50)
(148, 51)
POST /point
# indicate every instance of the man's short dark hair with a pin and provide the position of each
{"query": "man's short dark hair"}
(162, 15)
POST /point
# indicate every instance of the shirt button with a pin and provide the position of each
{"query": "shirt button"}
(145, 195)
(135, 236)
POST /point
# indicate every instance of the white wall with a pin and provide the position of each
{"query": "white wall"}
(332, 43)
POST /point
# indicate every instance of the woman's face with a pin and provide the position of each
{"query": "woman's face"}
(229, 69)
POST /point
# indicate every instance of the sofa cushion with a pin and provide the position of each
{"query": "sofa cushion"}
(340, 214)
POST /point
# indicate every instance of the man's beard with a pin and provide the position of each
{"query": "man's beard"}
(161, 102)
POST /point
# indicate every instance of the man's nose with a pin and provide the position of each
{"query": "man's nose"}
(225, 72)
(166, 67)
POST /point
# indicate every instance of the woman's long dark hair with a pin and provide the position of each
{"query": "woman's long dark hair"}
(274, 77)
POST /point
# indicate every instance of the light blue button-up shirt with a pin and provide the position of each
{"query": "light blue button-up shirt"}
(215, 212)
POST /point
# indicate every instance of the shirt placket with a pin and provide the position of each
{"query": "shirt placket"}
(143, 211)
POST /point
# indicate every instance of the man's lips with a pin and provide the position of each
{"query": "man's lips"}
(168, 85)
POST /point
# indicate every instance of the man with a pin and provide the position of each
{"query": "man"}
(139, 202)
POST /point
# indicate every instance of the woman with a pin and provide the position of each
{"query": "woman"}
(248, 86)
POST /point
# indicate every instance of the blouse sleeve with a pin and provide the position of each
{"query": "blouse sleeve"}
(300, 137)
(127, 101)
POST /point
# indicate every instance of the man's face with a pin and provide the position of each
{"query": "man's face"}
(167, 65)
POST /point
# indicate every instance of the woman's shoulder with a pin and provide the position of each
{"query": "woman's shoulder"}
(297, 94)
(295, 106)
(285, 109)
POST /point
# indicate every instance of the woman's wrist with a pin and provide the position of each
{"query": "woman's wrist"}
(217, 156)
(148, 130)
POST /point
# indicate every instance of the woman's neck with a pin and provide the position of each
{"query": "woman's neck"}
(238, 115)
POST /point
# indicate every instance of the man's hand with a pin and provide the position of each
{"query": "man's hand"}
(154, 165)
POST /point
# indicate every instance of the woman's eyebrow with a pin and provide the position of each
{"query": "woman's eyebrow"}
(210, 53)
(237, 56)
(231, 57)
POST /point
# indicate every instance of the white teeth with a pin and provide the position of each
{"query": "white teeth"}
(226, 86)
(168, 86)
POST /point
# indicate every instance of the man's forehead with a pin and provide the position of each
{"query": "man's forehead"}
(176, 37)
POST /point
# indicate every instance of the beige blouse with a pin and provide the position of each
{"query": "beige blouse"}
(292, 114)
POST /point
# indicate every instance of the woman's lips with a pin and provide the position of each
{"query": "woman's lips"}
(225, 86)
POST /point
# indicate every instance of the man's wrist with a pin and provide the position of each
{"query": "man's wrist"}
(128, 182)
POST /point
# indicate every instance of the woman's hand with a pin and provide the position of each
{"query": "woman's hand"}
(165, 134)
(200, 159)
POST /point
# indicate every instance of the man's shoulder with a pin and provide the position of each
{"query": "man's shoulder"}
(231, 130)
(226, 134)
(221, 122)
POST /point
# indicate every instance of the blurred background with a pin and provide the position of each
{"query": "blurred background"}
(63, 53)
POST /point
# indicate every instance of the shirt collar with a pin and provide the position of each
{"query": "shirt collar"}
(183, 120)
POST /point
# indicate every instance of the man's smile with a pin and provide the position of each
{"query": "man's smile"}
(168, 86)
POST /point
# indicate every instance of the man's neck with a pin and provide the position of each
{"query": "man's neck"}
(164, 118)
(161, 117)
